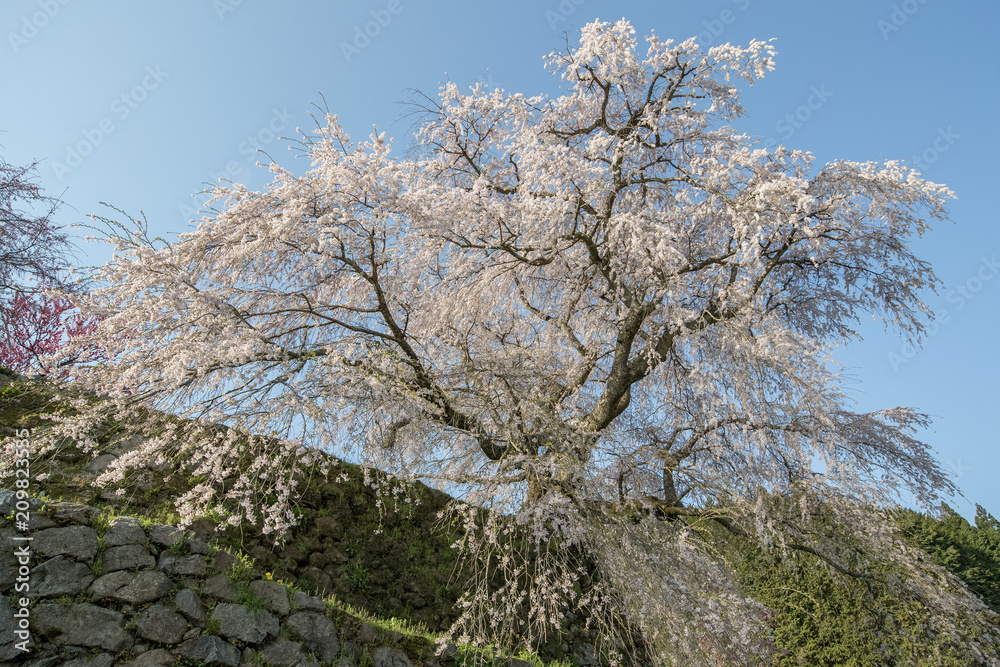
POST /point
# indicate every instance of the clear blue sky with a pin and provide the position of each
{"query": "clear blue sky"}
(139, 104)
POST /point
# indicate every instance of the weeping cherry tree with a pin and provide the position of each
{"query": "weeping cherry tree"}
(603, 317)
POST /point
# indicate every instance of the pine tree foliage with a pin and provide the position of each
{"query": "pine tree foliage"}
(818, 616)
(969, 552)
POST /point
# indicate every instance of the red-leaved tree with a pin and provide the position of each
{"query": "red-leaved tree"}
(34, 254)
(35, 326)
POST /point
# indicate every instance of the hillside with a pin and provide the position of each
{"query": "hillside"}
(122, 590)
(383, 577)
(387, 565)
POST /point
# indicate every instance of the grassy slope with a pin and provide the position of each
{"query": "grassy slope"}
(392, 567)
(392, 563)
(396, 568)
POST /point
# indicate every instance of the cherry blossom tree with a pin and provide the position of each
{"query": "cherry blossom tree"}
(605, 316)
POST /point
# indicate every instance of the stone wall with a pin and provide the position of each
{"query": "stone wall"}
(386, 559)
(119, 592)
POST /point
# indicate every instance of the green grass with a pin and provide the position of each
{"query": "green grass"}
(98, 567)
(358, 575)
(243, 570)
(213, 626)
(248, 599)
(102, 523)
(178, 548)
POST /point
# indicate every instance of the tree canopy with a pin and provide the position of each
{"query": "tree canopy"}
(605, 315)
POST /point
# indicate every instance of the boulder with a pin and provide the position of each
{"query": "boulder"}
(59, 576)
(165, 536)
(224, 561)
(366, 634)
(317, 632)
(197, 546)
(124, 530)
(161, 625)
(203, 527)
(72, 512)
(81, 625)
(51, 661)
(274, 595)
(292, 553)
(8, 561)
(159, 657)
(263, 557)
(40, 521)
(189, 603)
(194, 566)
(237, 621)
(210, 650)
(133, 587)
(86, 660)
(318, 578)
(127, 557)
(386, 656)
(283, 653)
(79, 542)
(8, 502)
(220, 588)
(307, 602)
(328, 526)
(585, 655)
